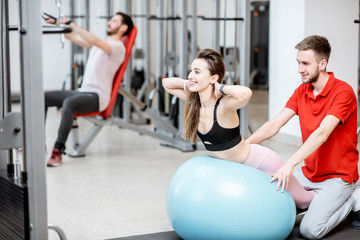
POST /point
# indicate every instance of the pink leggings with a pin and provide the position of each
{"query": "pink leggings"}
(269, 162)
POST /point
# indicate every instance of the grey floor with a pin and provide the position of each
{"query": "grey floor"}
(119, 188)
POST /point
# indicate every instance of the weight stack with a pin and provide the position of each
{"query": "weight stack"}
(14, 209)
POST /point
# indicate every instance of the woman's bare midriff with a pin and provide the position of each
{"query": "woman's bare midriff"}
(239, 153)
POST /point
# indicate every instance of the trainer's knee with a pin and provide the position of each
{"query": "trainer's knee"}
(311, 231)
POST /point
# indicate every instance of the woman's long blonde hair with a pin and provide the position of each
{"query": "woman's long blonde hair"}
(192, 105)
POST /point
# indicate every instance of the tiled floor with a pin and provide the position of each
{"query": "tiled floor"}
(119, 188)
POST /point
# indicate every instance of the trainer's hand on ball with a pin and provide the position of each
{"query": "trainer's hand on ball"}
(282, 176)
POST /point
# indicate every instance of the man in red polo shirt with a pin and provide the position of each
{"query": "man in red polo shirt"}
(327, 110)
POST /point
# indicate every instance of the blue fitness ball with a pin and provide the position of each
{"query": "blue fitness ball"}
(210, 198)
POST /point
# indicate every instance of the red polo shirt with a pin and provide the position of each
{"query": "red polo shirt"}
(338, 156)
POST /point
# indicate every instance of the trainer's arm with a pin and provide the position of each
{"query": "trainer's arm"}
(271, 127)
(314, 141)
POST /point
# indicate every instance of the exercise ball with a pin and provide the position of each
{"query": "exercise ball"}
(210, 198)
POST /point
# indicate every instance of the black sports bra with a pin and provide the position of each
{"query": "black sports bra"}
(219, 138)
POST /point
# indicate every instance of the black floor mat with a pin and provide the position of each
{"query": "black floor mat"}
(343, 231)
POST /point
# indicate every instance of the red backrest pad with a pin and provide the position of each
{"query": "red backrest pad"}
(129, 42)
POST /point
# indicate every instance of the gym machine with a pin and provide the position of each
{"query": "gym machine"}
(163, 126)
(23, 203)
(166, 115)
(232, 58)
(78, 54)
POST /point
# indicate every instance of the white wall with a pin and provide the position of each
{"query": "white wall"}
(293, 20)
(286, 28)
(343, 34)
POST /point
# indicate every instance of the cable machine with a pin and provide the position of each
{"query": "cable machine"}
(136, 111)
(236, 57)
(23, 203)
(79, 55)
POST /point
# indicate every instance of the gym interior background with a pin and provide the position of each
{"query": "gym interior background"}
(118, 189)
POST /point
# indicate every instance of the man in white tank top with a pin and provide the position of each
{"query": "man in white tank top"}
(104, 60)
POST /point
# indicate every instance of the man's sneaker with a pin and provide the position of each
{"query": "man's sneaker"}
(55, 159)
(356, 194)
(356, 224)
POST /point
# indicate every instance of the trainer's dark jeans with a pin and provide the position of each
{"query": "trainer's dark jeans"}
(70, 102)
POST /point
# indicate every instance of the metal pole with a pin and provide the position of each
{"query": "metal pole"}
(245, 61)
(3, 59)
(170, 46)
(5, 87)
(147, 49)
(7, 98)
(235, 64)
(87, 14)
(193, 30)
(72, 51)
(108, 8)
(159, 47)
(87, 22)
(127, 76)
(183, 51)
(224, 32)
(172, 39)
(183, 40)
(215, 25)
(32, 106)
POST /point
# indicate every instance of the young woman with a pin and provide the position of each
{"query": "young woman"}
(211, 114)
